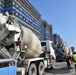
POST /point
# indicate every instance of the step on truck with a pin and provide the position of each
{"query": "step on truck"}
(20, 43)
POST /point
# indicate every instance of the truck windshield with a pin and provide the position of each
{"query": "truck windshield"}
(43, 43)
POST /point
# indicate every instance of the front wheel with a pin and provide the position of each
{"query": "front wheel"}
(32, 69)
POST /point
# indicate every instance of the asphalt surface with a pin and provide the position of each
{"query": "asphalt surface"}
(60, 69)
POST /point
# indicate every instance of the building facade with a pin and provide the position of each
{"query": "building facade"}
(28, 16)
(48, 30)
(58, 39)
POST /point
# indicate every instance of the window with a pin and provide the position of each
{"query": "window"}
(43, 43)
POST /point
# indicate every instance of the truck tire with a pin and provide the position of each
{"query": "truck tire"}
(52, 67)
(41, 68)
(32, 69)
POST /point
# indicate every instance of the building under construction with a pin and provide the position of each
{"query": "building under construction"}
(27, 16)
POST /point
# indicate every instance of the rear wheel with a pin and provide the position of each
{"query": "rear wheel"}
(32, 70)
(40, 68)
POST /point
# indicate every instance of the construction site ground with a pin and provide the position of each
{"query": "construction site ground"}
(60, 69)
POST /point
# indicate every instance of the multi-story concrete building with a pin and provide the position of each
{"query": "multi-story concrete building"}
(48, 30)
(28, 16)
(57, 39)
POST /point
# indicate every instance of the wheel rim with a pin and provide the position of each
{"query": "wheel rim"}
(41, 68)
(33, 70)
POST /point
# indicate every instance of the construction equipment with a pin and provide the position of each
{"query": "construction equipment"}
(61, 52)
(20, 43)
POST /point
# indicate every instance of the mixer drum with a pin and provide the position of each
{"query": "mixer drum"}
(32, 42)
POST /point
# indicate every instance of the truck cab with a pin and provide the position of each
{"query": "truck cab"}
(48, 53)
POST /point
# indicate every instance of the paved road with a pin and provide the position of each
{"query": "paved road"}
(60, 69)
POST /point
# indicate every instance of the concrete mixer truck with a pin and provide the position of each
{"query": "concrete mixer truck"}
(20, 43)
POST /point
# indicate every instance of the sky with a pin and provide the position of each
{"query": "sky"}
(62, 15)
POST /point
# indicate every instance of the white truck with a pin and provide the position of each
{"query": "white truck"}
(31, 54)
